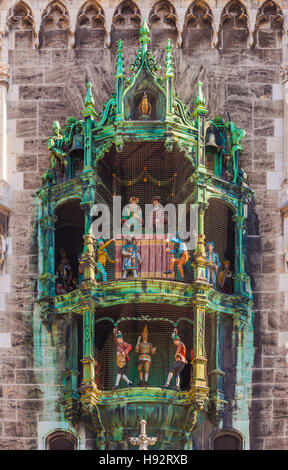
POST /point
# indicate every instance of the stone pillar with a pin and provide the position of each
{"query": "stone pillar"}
(284, 186)
(4, 84)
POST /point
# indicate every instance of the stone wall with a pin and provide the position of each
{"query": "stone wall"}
(236, 51)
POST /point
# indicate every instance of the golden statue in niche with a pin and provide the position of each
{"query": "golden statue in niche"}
(145, 107)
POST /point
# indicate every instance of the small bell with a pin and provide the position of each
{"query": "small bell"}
(77, 149)
(211, 145)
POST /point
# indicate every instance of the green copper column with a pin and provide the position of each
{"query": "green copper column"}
(89, 114)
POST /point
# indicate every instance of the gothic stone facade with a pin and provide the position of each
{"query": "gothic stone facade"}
(48, 51)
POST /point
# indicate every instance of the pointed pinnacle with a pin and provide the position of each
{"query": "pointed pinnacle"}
(89, 100)
(144, 33)
(200, 100)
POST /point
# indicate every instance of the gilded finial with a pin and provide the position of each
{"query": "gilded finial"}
(89, 103)
(200, 100)
(89, 100)
(169, 72)
(119, 62)
(144, 32)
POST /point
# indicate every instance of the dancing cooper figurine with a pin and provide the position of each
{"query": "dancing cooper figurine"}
(145, 351)
(180, 361)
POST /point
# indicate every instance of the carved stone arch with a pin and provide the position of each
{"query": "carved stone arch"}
(55, 26)
(126, 23)
(61, 440)
(198, 26)
(234, 30)
(20, 21)
(163, 22)
(229, 439)
(90, 26)
(269, 26)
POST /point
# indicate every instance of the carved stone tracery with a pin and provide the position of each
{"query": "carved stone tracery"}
(20, 17)
(269, 25)
(234, 30)
(55, 17)
(127, 15)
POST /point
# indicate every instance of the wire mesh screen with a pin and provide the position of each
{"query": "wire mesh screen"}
(219, 228)
(131, 320)
(145, 170)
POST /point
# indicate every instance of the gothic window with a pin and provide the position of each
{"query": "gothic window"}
(126, 23)
(21, 22)
(198, 29)
(61, 440)
(54, 30)
(227, 440)
(269, 26)
(233, 31)
(90, 28)
(163, 22)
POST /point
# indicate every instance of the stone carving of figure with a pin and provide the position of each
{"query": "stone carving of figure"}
(180, 361)
(131, 258)
(122, 358)
(145, 351)
(55, 144)
(236, 136)
(102, 258)
(63, 274)
(225, 279)
(213, 264)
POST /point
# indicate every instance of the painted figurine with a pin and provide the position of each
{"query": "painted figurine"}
(225, 279)
(181, 255)
(131, 258)
(55, 143)
(122, 358)
(63, 274)
(132, 217)
(158, 216)
(180, 361)
(213, 264)
(102, 258)
(145, 351)
(145, 107)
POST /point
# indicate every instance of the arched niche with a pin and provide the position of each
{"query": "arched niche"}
(233, 31)
(90, 27)
(144, 89)
(269, 26)
(126, 23)
(198, 30)
(69, 230)
(227, 440)
(131, 325)
(219, 229)
(163, 23)
(20, 22)
(55, 26)
(61, 440)
(145, 170)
